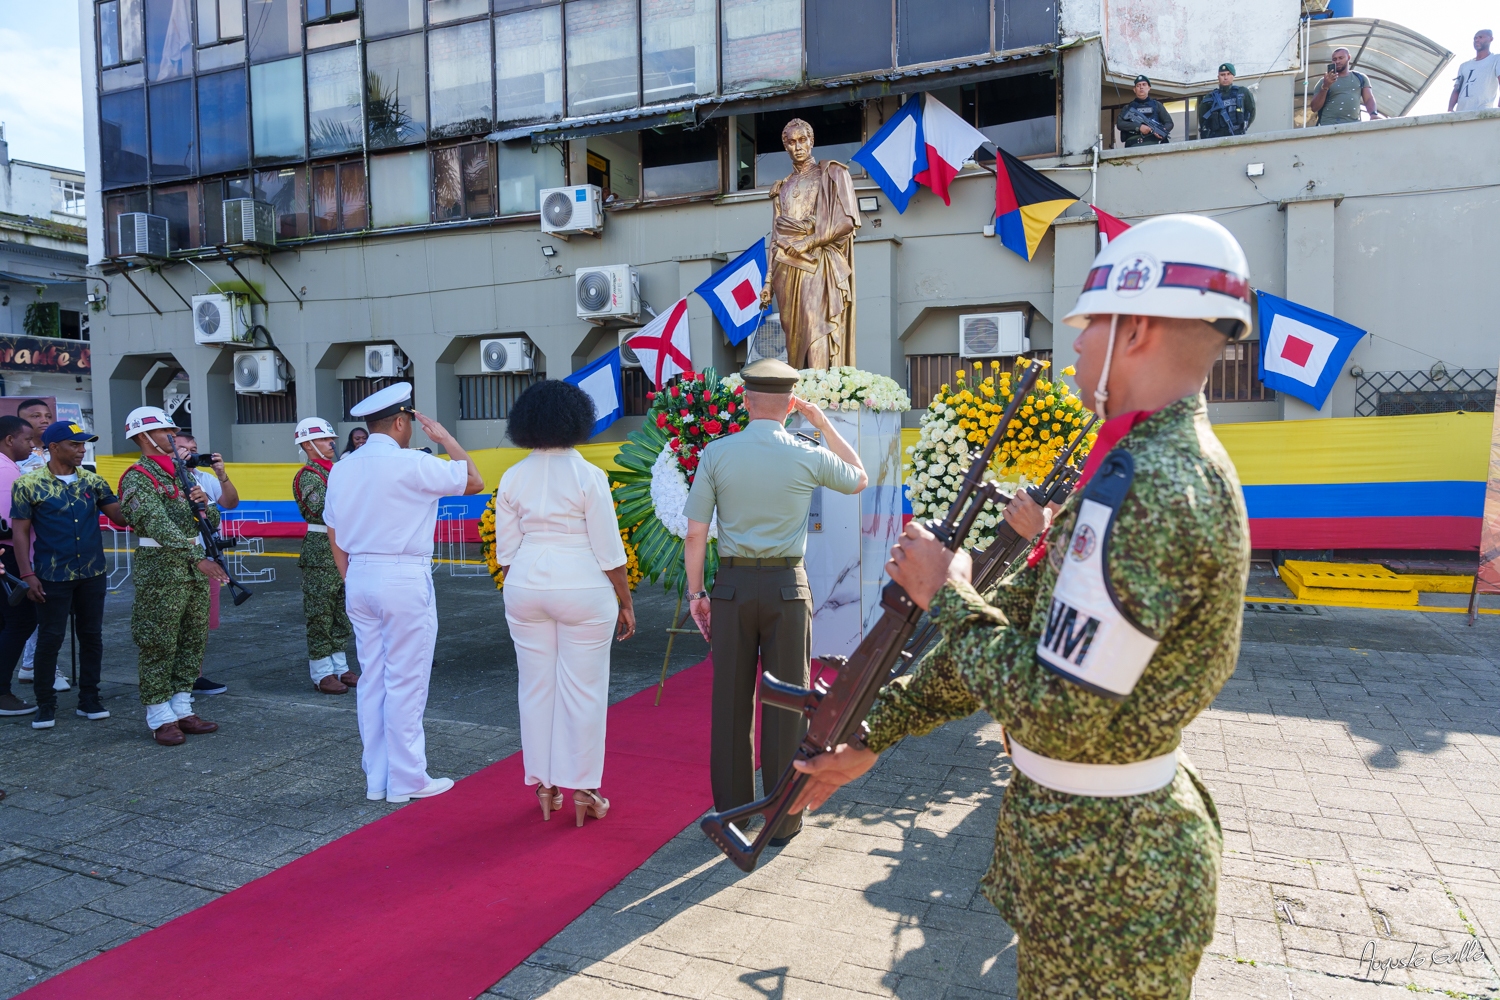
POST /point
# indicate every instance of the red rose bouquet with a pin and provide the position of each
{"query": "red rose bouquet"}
(694, 411)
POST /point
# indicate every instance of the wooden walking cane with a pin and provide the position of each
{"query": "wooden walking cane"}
(673, 632)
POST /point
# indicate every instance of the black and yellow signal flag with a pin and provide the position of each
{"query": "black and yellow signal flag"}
(1025, 204)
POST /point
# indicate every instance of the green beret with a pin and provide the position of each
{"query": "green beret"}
(769, 375)
(1227, 68)
(1143, 78)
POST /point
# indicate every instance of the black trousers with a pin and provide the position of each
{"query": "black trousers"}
(20, 622)
(86, 597)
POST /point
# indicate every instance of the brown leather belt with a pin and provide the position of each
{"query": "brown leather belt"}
(779, 562)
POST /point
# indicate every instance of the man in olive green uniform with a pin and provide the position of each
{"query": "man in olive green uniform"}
(169, 620)
(1107, 851)
(1229, 109)
(760, 483)
(328, 626)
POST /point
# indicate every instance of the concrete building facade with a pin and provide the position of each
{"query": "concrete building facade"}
(407, 214)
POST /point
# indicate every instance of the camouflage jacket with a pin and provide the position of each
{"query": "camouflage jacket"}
(310, 488)
(161, 511)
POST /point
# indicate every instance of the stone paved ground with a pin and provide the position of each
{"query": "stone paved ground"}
(1355, 757)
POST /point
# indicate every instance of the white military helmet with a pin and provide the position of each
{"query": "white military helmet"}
(312, 429)
(1178, 266)
(147, 418)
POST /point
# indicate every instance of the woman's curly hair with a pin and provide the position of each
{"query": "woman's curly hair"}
(551, 414)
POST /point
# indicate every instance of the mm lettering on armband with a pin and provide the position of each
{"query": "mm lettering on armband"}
(1069, 631)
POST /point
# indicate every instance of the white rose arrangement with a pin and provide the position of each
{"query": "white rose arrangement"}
(845, 388)
(938, 462)
(669, 494)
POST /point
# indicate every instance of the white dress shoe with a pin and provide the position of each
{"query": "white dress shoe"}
(375, 796)
(437, 786)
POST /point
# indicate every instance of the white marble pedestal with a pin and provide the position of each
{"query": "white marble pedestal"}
(849, 537)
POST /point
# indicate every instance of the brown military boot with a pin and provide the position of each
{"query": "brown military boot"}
(169, 735)
(194, 726)
(330, 684)
(349, 678)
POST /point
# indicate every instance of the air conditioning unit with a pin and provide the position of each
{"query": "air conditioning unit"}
(142, 235)
(222, 319)
(249, 221)
(576, 209)
(992, 335)
(609, 292)
(768, 341)
(505, 355)
(628, 358)
(384, 361)
(259, 371)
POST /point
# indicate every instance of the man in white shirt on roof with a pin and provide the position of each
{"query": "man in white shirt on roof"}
(381, 511)
(1479, 78)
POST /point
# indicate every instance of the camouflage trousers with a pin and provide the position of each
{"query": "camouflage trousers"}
(328, 627)
(1111, 898)
(169, 623)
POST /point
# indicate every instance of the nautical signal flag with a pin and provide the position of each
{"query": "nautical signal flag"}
(924, 143)
(601, 381)
(662, 345)
(1302, 350)
(733, 292)
(1025, 204)
(1109, 227)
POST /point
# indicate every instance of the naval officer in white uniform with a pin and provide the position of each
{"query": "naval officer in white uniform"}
(381, 512)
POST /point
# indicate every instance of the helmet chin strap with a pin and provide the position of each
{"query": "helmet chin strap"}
(1101, 391)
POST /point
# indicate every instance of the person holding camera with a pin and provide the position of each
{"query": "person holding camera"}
(20, 619)
(169, 621)
(58, 506)
(216, 485)
(1342, 92)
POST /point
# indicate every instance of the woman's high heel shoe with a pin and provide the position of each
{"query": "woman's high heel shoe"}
(589, 803)
(550, 800)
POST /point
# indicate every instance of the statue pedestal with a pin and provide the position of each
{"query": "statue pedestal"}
(850, 537)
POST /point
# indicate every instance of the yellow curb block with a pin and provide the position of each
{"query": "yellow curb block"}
(1313, 604)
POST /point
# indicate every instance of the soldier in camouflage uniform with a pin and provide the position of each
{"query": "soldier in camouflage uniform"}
(169, 621)
(1098, 649)
(328, 627)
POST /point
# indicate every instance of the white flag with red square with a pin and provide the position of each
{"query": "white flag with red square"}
(733, 292)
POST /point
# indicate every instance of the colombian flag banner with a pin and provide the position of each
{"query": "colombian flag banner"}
(1025, 204)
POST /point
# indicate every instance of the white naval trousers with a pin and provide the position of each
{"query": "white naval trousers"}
(562, 642)
(391, 605)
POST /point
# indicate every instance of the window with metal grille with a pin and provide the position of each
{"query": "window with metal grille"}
(1236, 376)
(490, 397)
(1437, 390)
(267, 407)
(635, 384)
(356, 389)
(926, 373)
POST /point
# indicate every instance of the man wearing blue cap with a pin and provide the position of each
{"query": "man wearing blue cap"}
(58, 506)
(381, 512)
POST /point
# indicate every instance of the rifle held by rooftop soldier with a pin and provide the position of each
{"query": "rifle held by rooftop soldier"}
(213, 545)
(1135, 116)
(837, 710)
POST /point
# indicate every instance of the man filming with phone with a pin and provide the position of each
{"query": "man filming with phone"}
(1342, 92)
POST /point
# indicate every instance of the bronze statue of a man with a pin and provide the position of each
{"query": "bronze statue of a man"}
(814, 216)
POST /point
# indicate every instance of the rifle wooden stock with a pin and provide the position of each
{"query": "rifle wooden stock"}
(836, 711)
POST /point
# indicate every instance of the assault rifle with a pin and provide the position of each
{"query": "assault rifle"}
(837, 710)
(1135, 116)
(213, 545)
(1008, 544)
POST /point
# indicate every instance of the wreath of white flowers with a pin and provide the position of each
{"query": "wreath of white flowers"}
(669, 494)
(845, 388)
(939, 460)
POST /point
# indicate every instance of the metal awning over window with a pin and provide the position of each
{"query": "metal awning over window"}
(1399, 63)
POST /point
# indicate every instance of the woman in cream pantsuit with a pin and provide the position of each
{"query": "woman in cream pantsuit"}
(566, 593)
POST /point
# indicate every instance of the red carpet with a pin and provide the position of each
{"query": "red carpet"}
(441, 898)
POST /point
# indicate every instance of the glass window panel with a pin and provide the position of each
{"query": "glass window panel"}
(847, 36)
(382, 17)
(286, 191)
(213, 213)
(678, 50)
(762, 43)
(447, 185)
(931, 30)
(463, 183)
(677, 162)
(1024, 23)
(231, 19)
(219, 56)
(602, 56)
(169, 38)
(115, 206)
(132, 75)
(275, 28)
(396, 91)
(353, 208)
(325, 193)
(179, 205)
(524, 171)
(320, 36)
(501, 6)
(208, 22)
(333, 101)
(109, 34)
(398, 188)
(174, 150)
(441, 11)
(122, 137)
(528, 65)
(276, 96)
(132, 42)
(223, 128)
(459, 79)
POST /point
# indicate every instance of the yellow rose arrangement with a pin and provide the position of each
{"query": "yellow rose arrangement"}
(963, 415)
(487, 546)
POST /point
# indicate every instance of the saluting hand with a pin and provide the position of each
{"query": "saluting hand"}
(811, 412)
(435, 431)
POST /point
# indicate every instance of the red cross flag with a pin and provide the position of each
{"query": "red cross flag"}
(662, 345)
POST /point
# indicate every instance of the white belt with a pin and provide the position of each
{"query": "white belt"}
(397, 559)
(1103, 780)
(317, 529)
(151, 543)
